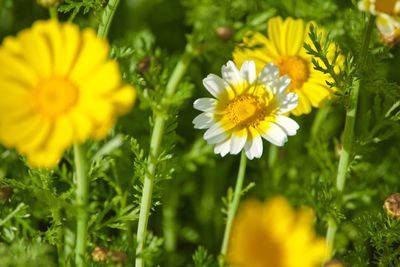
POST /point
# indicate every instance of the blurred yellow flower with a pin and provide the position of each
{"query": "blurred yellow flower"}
(388, 17)
(271, 234)
(57, 87)
(284, 47)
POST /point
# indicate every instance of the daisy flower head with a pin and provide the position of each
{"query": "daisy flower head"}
(284, 46)
(388, 18)
(272, 234)
(245, 109)
(57, 87)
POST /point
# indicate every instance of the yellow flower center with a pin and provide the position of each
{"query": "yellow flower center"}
(54, 96)
(386, 6)
(296, 68)
(246, 110)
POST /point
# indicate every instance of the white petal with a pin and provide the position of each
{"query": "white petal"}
(268, 74)
(214, 84)
(280, 85)
(215, 134)
(288, 125)
(386, 24)
(275, 135)
(237, 143)
(254, 148)
(203, 121)
(223, 148)
(287, 102)
(231, 74)
(205, 104)
(248, 71)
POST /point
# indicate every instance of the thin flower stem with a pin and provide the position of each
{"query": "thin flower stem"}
(82, 189)
(348, 134)
(53, 12)
(82, 181)
(233, 207)
(272, 155)
(106, 18)
(155, 142)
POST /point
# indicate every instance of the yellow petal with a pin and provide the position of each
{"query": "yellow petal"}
(316, 93)
(37, 50)
(294, 36)
(44, 158)
(104, 79)
(304, 106)
(274, 33)
(94, 52)
(82, 125)
(123, 98)
(15, 69)
(37, 139)
(71, 41)
(61, 136)
(12, 133)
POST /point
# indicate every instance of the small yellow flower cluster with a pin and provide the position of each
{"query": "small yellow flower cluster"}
(272, 234)
(388, 18)
(57, 88)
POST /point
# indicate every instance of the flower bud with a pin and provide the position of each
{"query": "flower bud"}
(100, 254)
(5, 193)
(225, 33)
(392, 205)
(49, 3)
(144, 65)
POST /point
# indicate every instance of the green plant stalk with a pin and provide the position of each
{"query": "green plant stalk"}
(106, 18)
(233, 207)
(155, 142)
(82, 181)
(82, 189)
(53, 12)
(272, 155)
(348, 134)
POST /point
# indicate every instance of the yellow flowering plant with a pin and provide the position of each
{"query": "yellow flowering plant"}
(58, 87)
(272, 234)
(284, 46)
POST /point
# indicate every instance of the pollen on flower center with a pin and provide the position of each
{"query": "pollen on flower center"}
(54, 96)
(296, 68)
(246, 110)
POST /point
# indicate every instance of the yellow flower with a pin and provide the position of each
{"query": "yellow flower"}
(284, 47)
(388, 18)
(271, 234)
(57, 87)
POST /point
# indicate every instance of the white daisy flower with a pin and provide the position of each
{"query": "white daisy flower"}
(245, 108)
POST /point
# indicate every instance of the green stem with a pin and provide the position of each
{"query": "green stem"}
(82, 181)
(233, 207)
(155, 142)
(53, 12)
(348, 134)
(106, 18)
(82, 189)
(272, 155)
